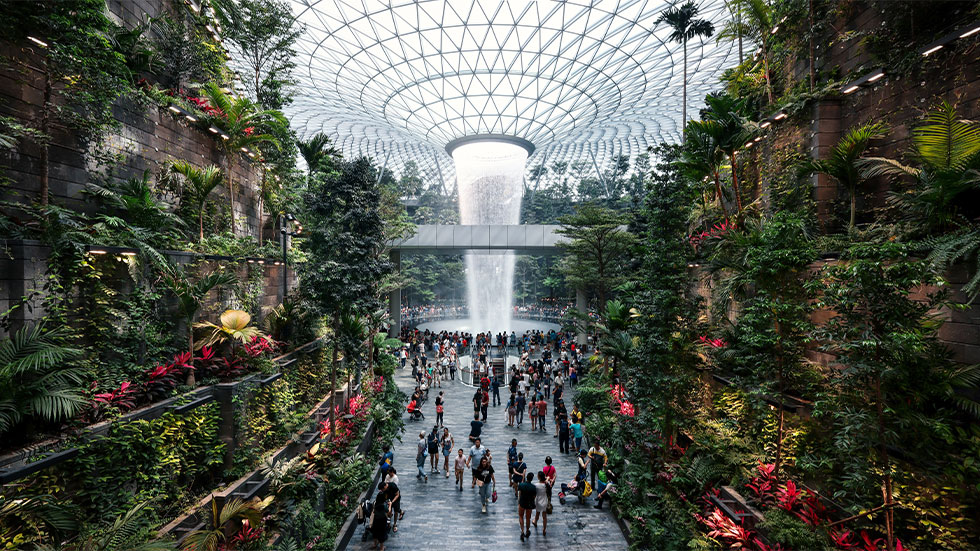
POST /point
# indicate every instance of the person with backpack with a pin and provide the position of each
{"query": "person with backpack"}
(387, 458)
(380, 512)
(597, 460)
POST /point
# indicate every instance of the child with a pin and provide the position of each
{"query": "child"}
(460, 465)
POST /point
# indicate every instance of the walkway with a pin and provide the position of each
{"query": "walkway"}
(439, 516)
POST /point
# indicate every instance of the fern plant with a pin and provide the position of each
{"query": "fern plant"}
(37, 380)
(959, 246)
(123, 535)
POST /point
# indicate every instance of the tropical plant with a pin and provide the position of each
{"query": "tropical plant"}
(318, 152)
(234, 327)
(735, 131)
(214, 534)
(844, 166)
(242, 121)
(24, 520)
(962, 245)
(200, 184)
(702, 157)
(37, 380)
(135, 201)
(734, 28)
(123, 535)
(596, 246)
(685, 25)
(757, 24)
(189, 297)
(947, 149)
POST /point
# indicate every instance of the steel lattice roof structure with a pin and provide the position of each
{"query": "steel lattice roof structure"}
(399, 80)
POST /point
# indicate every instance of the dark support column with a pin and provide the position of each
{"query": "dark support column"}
(395, 298)
(225, 393)
(826, 132)
(582, 305)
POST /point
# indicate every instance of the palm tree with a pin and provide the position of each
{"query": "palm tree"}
(239, 119)
(947, 149)
(189, 297)
(316, 151)
(843, 164)
(736, 130)
(35, 380)
(683, 20)
(734, 29)
(701, 156)
(200, 184)
(758, 25)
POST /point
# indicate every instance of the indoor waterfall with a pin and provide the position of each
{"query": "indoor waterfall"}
(490, 176)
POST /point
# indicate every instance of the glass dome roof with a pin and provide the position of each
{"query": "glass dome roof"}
(574, 78)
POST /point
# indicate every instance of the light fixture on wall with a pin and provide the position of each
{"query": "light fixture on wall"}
(38, 41)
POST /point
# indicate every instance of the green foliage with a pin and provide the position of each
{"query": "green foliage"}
(199, 185)
(38, 382)
(787, 530)
(187, 54)
(595, 249)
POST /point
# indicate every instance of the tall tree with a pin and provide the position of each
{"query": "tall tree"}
(245, 125)
(685, 24)
(734, 28)
(318, 152)
(735, 131)
(265, 33)
(597, 244)
(342, 210)
(199, 185)
(65, 42)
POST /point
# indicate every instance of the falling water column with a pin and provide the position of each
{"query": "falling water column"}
(490, 176)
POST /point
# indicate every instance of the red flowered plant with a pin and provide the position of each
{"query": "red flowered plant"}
(245, 537)
(258, 346)
(624, 406)
(788, 496)
(123, 398)
(716, 232)
(763, 484)
(713, 343)
(727, 530)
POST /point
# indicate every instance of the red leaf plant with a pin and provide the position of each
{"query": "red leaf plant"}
(723, 528)
(123, 399)
(713, 343)
(245, 536)
(788, 496)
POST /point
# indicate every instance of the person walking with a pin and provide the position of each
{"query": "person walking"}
(541, 502)
(597, 460)
(394, 497)
(511, 410)
(550, 474)
(447, 442)
(485, 479)
(518, 472)
(475, 455)
(526, 494)
(521, 405)
(495, 389)
(476, 427)
(511, 461)
(422, 451)
(532, 412)
(542, 406)
(440, 407)
(460, 466)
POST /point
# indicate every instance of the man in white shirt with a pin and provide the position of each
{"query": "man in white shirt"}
(476, 453)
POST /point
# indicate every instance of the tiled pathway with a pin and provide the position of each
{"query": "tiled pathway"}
(438, 516)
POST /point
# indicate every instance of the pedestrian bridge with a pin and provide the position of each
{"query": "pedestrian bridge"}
(539, 239)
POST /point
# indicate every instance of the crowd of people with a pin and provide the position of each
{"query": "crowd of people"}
(413, 315)
(546, 364)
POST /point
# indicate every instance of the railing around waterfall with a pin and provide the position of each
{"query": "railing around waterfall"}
(412, 320)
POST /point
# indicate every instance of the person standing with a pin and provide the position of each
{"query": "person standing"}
(447, 442)
(432, 442)
(484, 403)
(420, 457)
(542, 413)
(550, 474)
(577, 433)
(495, 388)
(394, 497)
(526, 494)
(511, 410)
(518, 472)
(605, 488)
(521, 405)
(541, 501)
(379, 517)
(476, 427)
(563, 434)
(597, 460)
(583, 465)
(440, 408)
(460, 467)
(484, 477)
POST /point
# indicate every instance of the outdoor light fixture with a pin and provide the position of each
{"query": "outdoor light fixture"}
(174, 108)
(99, 249)
(876, 76)
(758, 139)
(190, 118)
(214, 130)
(779, 117)
(245, 149)
(96, 251)
(765, 124)
(225, 136)
(38, 41)
(851, 89)
(774, 29)
(194, 7)
(934, 49)
(226, 90)
(866, 79)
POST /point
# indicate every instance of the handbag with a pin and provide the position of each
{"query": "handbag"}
(494, 497)
(549, 509)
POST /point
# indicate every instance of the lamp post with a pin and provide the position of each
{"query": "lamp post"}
(285, 233)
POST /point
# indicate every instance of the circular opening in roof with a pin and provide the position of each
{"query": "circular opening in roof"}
(499, 138)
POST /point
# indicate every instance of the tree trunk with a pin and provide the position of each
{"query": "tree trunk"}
(43, 177)
(261, 205)
(721, 197)
(191, 382)
(200, 223)
(765, 64)
(684, 106)
(333, 378)
(850, 224)
(738, 199)
(231, 190)
(886, 468)
(370, 362)
(813, 70)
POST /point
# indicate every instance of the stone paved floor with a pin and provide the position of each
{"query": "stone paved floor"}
(439, 516)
